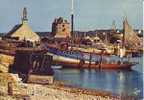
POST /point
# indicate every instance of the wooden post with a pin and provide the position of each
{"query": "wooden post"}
(100, 61)
(101, 58)
(10, 88)
(90, 58)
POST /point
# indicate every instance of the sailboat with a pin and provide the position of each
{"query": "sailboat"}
(131, 39)
(69, 58)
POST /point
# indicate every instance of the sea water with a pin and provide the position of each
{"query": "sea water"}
(128, 82)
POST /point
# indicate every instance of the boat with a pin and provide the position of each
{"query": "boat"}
(78, 59)
(131, 40)
(70, 55)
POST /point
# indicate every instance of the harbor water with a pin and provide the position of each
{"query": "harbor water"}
(122, 82)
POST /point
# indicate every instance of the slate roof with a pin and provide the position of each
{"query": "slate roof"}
(14, 29)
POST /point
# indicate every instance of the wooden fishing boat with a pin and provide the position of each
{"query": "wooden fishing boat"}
(78, 59)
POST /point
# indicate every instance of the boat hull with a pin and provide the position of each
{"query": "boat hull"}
(85, 62)
(92, 66)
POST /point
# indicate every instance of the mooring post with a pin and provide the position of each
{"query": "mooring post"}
(10, 88)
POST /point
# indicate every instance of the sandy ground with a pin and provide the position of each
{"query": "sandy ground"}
(39, 92)
(49, 92)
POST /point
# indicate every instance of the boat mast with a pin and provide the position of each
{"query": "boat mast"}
(72, 18)
(123, 38)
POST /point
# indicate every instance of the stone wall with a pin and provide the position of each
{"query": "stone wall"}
(42, 79)
(5, 62)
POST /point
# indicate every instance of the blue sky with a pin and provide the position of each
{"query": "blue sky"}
(89, 14)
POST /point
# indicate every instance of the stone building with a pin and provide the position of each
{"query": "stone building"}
(61, 28)
(23, 31)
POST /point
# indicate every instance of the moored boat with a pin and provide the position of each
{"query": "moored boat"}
(78, 59)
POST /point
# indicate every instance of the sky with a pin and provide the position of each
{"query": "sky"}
(89, 14)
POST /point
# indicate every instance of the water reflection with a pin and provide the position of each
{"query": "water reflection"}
(119, 82)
